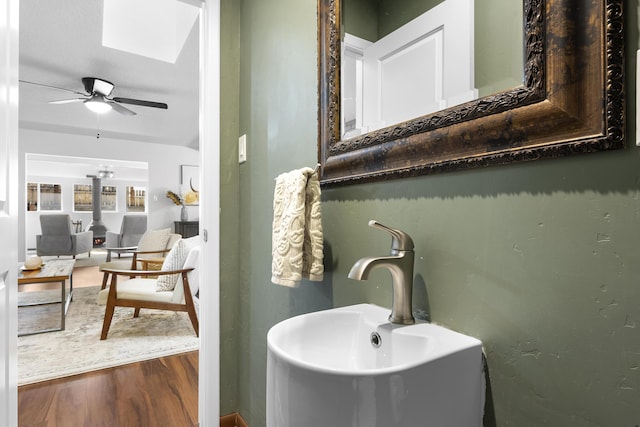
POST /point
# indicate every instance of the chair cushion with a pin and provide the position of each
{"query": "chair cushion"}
(193, 261)
(154, 240)
(137, 289)
(191, 242)
(173, 238)
(174, 261)
(120, 264)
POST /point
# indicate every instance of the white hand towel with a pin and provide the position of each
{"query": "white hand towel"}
(297, 246)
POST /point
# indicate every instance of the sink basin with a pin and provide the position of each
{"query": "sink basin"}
(350, 367)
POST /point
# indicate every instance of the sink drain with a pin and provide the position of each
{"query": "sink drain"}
(376, 341)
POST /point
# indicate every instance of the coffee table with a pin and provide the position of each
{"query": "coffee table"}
(58, 270)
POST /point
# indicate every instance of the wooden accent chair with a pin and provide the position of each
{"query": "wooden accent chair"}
(145, 258)
(138, 291)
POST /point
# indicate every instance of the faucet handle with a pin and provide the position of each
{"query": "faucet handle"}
(400, 241)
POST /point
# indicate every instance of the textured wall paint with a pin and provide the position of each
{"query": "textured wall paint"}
(230, 203)
(360, 18)
(278, 98)
(498, 46)
(541, 261)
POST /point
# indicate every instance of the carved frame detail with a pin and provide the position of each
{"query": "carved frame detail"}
(572, 101)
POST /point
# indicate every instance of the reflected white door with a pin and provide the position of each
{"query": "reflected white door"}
(424, 66)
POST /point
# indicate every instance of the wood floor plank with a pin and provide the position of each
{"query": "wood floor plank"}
(35, 404)
(134, 400)
(160, 392)
(181, 385)
(166, 402)
(101, 391)
(67, 407)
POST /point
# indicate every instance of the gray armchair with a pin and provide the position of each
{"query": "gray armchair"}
(132, 229)
(58, 238)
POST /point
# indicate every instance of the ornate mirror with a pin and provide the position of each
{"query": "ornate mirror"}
(570, 99)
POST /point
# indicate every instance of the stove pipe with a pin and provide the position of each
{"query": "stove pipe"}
(97, 226)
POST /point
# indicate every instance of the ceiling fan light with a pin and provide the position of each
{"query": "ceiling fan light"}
(105, 174)
(97, 104)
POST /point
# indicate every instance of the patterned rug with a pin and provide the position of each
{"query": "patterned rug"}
(98, 256)
(78, 348)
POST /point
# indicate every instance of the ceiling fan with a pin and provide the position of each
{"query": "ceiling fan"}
(97, 97)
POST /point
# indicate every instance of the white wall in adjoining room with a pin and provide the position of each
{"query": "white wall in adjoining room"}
(163, 174)
(112, 219)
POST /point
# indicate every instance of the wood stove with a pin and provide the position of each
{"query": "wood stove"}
(97, 226)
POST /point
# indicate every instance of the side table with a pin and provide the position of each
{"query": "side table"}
(187, 228)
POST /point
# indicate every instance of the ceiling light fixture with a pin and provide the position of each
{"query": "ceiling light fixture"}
(97, 104)
(105, 173)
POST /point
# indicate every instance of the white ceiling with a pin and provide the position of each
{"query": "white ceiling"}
(60, 42)
(77, 167)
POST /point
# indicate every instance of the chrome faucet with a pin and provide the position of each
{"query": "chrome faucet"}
(400, 265)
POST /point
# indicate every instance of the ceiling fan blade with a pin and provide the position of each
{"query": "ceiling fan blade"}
(52, 87)
(68, 101)
(120, 109)
(141, 103)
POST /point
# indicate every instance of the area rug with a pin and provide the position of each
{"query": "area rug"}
(78, 348)
(98, 256)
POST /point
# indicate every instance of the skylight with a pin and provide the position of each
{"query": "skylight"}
(153, 28)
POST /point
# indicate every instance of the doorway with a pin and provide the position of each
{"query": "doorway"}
(209, 137)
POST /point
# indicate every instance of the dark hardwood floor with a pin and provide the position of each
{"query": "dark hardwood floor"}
(159, 392)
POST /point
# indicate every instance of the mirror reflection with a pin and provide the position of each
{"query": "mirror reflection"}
(402, 59)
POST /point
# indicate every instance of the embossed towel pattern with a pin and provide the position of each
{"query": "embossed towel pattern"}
(296, 245)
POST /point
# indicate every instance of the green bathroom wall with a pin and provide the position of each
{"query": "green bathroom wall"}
(278, 97)
(229, 202)
(360, 18)
(499, 54)
(393, 14)
(540, 260)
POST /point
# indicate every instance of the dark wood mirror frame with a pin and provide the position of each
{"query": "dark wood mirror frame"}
(571, 101)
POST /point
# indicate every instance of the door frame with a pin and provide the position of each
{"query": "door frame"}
(209, 362)
(9, 23)
(209, 388)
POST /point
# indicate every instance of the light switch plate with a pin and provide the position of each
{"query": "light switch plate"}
(242, 149)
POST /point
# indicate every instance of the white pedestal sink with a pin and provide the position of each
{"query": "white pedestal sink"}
(350, 367)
